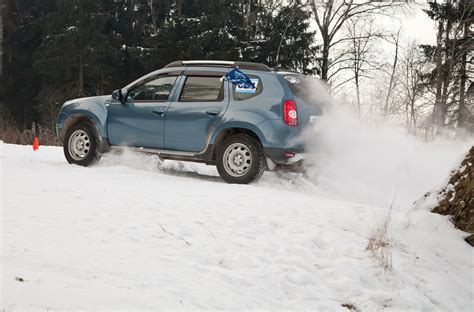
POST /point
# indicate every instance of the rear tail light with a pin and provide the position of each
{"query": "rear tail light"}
(290, 113)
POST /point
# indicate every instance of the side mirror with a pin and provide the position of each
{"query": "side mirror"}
(119, 96)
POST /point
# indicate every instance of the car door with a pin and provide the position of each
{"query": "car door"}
(202, 101)
(139, 121)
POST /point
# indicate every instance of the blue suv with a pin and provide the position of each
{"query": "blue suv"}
(187, 111)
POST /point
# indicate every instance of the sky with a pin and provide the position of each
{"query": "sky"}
(417, 25)
(414, 22)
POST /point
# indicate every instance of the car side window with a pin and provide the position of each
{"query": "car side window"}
(156, 89)
(243, 94)
(202, 89)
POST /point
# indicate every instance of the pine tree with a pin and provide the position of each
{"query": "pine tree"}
(286, 41)
(450, 56)
(212, 30)
(59, 50)
(75, 57)
(22, 36)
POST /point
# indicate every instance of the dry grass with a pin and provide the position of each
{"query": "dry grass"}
(379, 242)
(350, 307)
(11, 133)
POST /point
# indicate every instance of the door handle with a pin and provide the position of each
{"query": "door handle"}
(213, 113)
(158, 112)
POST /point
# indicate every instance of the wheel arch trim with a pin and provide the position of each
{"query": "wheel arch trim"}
(238, 126)
(86, 117)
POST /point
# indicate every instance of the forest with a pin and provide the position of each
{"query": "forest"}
(52, 51)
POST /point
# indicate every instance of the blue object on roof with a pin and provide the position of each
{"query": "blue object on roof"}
(236, 76)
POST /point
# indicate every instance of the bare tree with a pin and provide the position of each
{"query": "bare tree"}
(388, 103)
(411, 82)
(332, 15)
(49, 108)
(358, 57)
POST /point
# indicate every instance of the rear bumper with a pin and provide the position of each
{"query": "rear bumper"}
(285, 156)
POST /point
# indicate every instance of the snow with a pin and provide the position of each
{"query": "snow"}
(378, 163)
(132, 233)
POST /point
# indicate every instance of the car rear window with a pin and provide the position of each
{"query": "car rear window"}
(300, 86)
(202, 89)
(309, 89)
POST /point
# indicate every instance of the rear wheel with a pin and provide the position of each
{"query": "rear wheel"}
(82, 145)
(240, 159)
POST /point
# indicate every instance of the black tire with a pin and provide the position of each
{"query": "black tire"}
(240, 145)
(90, 143)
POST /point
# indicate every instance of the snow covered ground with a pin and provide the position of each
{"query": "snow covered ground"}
(130, 233)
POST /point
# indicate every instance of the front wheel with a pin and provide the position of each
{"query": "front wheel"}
(82, 145)
(240, 159)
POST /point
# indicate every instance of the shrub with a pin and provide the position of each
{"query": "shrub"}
(379, 241)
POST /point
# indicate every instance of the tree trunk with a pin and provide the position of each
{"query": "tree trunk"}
(246, 11)
(439, 64)
(462, 112)
(179, 7)
(391, 85)
(358, 94)
(446, 77)
(413, 115)
(3, 25)
(81, 77)
(153, 16)
(325, 61)
(2, 9)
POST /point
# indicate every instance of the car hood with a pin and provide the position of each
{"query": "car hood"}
(102, 99)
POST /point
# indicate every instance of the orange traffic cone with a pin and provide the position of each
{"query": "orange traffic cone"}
(35, 144)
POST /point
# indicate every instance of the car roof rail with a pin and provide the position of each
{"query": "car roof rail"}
(213, 63)
(288, 71)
